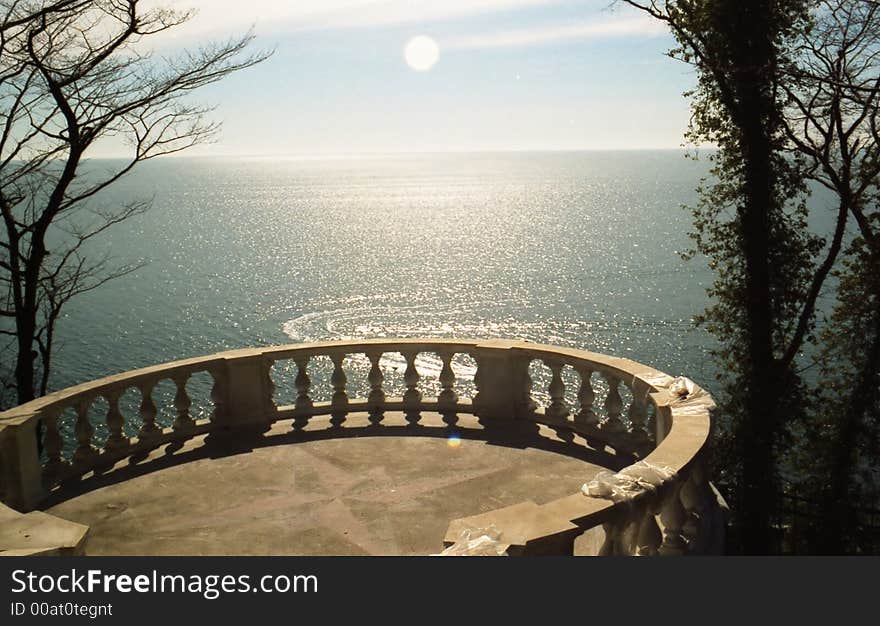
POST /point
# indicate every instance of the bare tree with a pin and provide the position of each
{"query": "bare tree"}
(833, 121)
(73, 73)
(833, 117)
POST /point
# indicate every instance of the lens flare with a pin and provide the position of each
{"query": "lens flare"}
(421, 53)
(454, 441)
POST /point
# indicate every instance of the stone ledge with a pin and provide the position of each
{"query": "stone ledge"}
(526, 528)
(39, 534)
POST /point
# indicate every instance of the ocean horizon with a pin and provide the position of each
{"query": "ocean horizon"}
(580, 249)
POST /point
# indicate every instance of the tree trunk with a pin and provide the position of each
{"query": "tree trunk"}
(761, 418)
(26, 359)
(753, 56)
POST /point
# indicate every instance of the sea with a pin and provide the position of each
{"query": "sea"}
(579, 249)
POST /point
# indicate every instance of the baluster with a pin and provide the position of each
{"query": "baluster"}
(376, 398)
(412, 397)
(638, 413)
(303, 402)
(376, 378)
(339, 402)
(638, 416)
(268, 364)
(701, 505)
(83, 430)
(447, 399)
(609, 546)
(477, 400)
(705, 495)
(183, 423)
(586, 416)
(218, 397)
(613, 405)
(650, 537)
(447, 396)
(651, 428)
(673, 517)
(53, 444)
(116, 440)
(529, 406)
(149, 430)
(628, 536)
(303, 383)
(411, 379)
(690, 501)
(557, 409)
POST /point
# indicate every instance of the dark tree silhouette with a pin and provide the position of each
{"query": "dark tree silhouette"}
(751, 225)
(788, 91)
(73, 73)
(832, 87)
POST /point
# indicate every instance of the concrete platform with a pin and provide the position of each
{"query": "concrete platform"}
(39, 534)
(358, 490)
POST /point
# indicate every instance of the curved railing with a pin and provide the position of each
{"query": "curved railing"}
(663, 503)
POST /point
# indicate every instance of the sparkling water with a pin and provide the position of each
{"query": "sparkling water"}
(578, 249)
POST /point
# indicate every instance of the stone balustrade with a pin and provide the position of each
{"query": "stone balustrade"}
(661, 422)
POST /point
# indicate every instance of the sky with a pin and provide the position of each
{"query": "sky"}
(509, 75)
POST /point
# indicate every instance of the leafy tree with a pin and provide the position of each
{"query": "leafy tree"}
(790, 94)
(751, 224)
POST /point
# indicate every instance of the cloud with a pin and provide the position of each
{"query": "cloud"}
(625, 27)
(300, 15)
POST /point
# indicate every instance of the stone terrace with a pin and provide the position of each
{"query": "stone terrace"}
(382, 474)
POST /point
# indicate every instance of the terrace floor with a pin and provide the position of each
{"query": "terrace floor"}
(355, 490)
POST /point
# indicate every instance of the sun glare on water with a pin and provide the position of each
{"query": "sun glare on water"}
(421, 53)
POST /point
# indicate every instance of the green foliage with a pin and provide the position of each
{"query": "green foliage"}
(844, 436)
(788, 92)
(731, 92)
